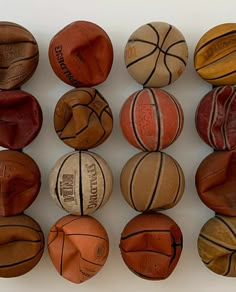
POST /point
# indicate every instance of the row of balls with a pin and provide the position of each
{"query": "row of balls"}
(215, 122)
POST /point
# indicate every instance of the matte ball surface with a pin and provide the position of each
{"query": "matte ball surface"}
(81, 54)
(215, 55)
(21, 119)
(78, 247)
(151, 119)
(216, 182)
(215, 118)
(83, 118)
(152, 181)
(217, 245)
(151, 245)
(19, 55)
(81, 182)
(20, 182)
(22, 245)
(156, 54)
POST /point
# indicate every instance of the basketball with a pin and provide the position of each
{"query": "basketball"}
(151, 119)
(156, 54)
(20, 181)
(152, 181)
(78, 247)
(217, 245)
(151, 245)
(215, 118)
(22, 245)
(83, 118)
(81, 54)
(81, 182)
(215, 56)
(19, 55)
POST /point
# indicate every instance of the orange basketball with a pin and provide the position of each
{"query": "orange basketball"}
(151, 119)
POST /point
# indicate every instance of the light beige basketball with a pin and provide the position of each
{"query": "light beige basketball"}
(81, 182)
(152, 181)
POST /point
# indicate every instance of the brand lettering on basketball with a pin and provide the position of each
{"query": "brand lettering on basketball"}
(92, 175)
(145, 114)
(218, 46)
(131, 52)
(66, 72)
(67, 188)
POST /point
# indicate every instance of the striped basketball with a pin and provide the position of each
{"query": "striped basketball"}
(83, 118)
(152, 181)
(151, 119)
(217, 245)
(151, 245)
(81, 182)
(215, 55)
(215, 118)
(21, 245)
(78, 247)
(156, 54)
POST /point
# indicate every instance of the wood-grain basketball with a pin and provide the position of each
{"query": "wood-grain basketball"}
(83, 118)
(151, 245)
(81, 182)
(151, 119)
(156, 54)
(78, 247)
(152, 181)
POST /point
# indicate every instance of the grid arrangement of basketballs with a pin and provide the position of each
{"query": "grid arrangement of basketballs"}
(215, 62)
(21, 240)
(80, 181)
(151, 119)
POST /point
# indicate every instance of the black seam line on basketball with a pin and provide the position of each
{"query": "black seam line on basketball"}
(174, 245)
(23, 261)
(57, 231)
(229, 263)
(104, 181)
(20, 240)
(143, 275)
(19, 225)
(157, 181)
(159, 53)
(221, 76)
(143, 231)
(212, 40)
(18, 42)
(133, 122)
(57, 180)
(158, 116)
(216, 243)
(226, 224)
(179, 117)
(108, 112)
(145, 250)
(141, 41)
(88, 261)
(213, 115)
(81, 185)
(132, 178)
(62, 129)
(179, 182)
(19, 60)
(62, 254)
(87, 234)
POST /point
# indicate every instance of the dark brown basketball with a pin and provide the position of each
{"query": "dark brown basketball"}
(19, 55)
(151, 245)
(83, 118)
(78, 247)
(21, 245)
(81, 54)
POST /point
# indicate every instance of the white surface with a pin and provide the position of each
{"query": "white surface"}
(120, 18)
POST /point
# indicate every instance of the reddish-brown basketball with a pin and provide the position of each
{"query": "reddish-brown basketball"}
(216, 182)
(83, 118)
(78, 247)
(20, 119)
(81, 54)
(215, 118)
(151, 245)
(21, 245)
(151, 119)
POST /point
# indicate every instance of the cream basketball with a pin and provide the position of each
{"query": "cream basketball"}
(81, 182)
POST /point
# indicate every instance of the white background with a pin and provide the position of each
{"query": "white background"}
(119, 19)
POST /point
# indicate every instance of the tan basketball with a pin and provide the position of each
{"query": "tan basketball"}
(156, 54)
(217, 245)
(81, 182)
(152, 181)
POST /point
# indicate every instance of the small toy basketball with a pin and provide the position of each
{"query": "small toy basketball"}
(156, 54)
(151, 119)
(78, 247)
